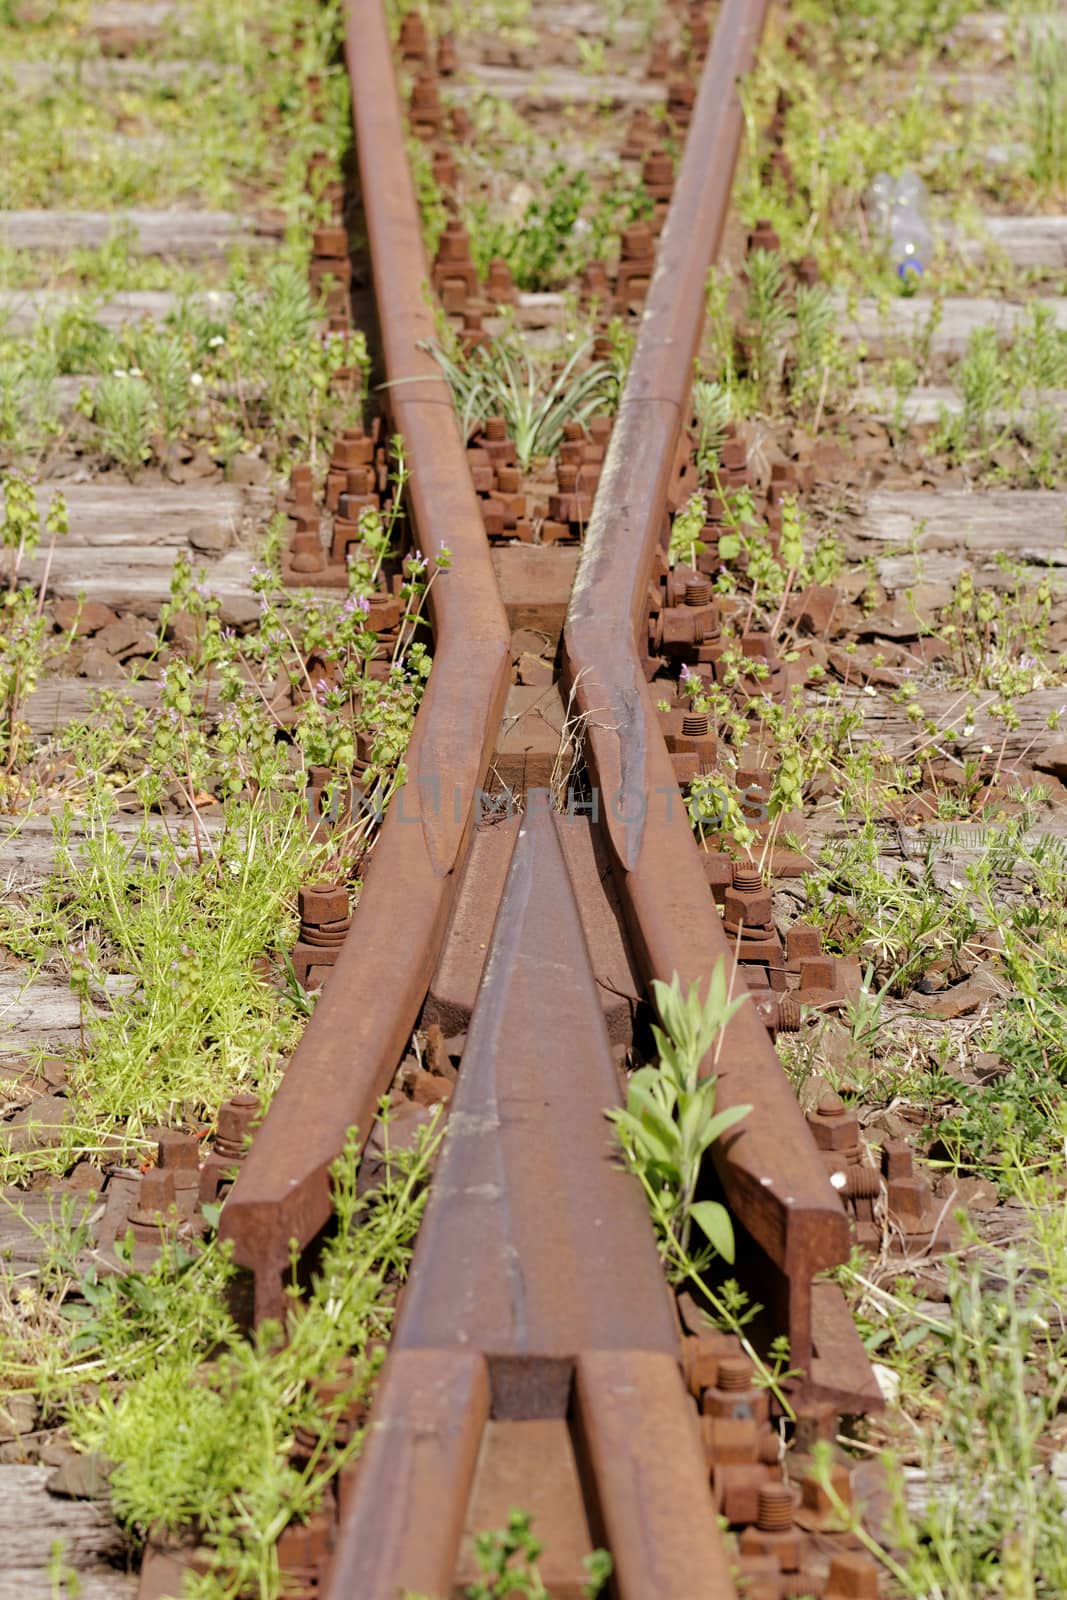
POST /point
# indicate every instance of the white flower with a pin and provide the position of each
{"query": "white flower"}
(195, 379)
(135, 372)
(216, 341)
(119, 372)
(968, 731)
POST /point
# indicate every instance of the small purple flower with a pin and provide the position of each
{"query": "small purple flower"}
(685, 673)
(321, 691)
(415, 562)
(354, 603)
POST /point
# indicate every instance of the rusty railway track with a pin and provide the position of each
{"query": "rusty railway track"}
(538, 1357)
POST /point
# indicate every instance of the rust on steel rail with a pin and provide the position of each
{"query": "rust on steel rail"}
(536, 1326)
(355, 1038)
(769, 1168)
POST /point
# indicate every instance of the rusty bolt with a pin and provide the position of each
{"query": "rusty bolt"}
(447, 60)
(816, 1505)
(636, 242)
(323, 904)
(730, 1440)
(736, 1487)
(178, 1152)
(596, 285)
(735, 1373)
(413, 41)
(789, 1014)
(658, 170)
(807, 271)
(444, 170)
(861, 1183)
(734, 455)
(499, 283)
(897, 1160)
(775, 1508)
(425, 99)
(733, 1394)
(155, 1194)
(301, 481)
(330, 242)
(236, 1117)
(764, 237)
(658, 60)
(747, 903)
(305, 552)
(852, 1577)
(454, 245)
(833, 1126)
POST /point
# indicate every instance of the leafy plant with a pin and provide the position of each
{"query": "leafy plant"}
(538, 244)
(122, 410)
(817, 361)
(712, 407)
(766, 319)
(687, 524)
(508, 1559)
(669, 1121)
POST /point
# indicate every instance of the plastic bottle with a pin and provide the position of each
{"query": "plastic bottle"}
(897, 210)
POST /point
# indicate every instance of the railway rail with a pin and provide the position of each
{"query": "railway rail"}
(536, 1325)
(543, 873)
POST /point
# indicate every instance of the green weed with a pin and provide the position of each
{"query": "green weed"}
(669, 1121)
(506, 379)
(203, 1428)
(508, 1560)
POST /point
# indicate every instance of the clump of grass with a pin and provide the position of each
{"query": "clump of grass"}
(192, 1020)
(506, 379)
(122, 410)
(1045, 100)
(992, 1518)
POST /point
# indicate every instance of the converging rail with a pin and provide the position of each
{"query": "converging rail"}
(769, 1168)
(352, 1045)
